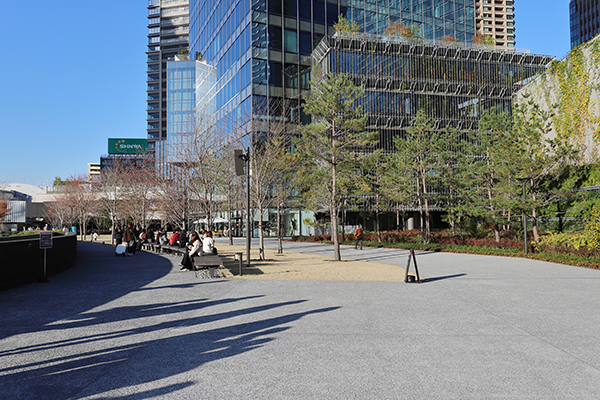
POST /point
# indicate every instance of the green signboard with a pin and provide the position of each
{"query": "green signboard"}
(127, 146)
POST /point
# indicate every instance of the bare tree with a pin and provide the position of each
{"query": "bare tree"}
(174, 201)
(58, 211)
(266, 166)
(139, 190)
(110, 195)
(79, 196)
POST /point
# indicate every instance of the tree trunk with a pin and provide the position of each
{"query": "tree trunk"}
(560, 218)
(427, 217)
(279, 239)
(534, 212)
(333, 199)
(452, 218)
(534, 228)
(112, 229)
(229, 217)
(497, 232)
(344, 221)
(421, 219)
(377, 222)
(261, 239)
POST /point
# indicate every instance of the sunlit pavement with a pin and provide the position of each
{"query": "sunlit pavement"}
(138, 328)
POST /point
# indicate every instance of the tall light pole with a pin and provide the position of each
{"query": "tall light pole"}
(243, 161)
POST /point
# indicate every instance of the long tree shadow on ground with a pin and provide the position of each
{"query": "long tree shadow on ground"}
(65, 340)
(170, 354)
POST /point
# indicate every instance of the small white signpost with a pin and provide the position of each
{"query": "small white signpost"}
(45, 243)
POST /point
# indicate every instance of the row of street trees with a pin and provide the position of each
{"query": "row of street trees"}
(333, 161)
(474, 175)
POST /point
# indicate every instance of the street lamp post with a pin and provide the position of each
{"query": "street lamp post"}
(242, 162)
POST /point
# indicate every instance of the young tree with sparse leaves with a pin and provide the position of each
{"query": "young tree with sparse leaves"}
(418, 156)
(541, 160)
(334, 145)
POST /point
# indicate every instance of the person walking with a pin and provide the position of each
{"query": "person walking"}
(358, 236)
(129, 239)
(118, 233)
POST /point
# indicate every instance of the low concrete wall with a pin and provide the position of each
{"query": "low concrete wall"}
(22, 260)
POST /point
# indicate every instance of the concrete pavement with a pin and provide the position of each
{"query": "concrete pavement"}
(138, 328)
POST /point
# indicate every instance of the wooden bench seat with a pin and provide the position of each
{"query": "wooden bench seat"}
(207, 266)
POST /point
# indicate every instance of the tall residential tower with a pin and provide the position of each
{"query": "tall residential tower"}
(496, 18)
(168, 22)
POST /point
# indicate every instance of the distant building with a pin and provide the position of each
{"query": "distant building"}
(585, 20)
(93, 170)
(453, 83)
(128, 161)
(496, 18)
(24, 205)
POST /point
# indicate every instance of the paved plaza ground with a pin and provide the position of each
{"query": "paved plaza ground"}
(138, 328)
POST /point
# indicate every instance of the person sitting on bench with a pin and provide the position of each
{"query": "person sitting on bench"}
(208, 243)
(193, 249)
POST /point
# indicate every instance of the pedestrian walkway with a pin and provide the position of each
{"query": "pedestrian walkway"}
(138, 328)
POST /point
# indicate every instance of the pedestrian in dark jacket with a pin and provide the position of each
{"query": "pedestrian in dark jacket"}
(129, 239)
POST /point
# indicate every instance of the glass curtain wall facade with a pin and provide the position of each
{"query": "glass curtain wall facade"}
(452, 82)
(190, 108)
(261, 48)
(585, 20)
(168, 34)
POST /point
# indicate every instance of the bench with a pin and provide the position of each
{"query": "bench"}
(151, 246)
(169, 249)
(206, 266)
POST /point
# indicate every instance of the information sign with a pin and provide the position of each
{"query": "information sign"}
(46, 240)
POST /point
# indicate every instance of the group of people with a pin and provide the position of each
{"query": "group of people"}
(133, 239)
(198, 245)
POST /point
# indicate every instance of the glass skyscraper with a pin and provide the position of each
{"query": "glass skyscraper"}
(585, 20)
(261, 48)
(190, 109)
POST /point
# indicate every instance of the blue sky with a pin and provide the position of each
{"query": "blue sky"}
(73, 75)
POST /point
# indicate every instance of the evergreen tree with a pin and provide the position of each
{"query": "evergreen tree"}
(541, 159)
(418, 157)
(371, 182)
(333, 145)
(497, 156)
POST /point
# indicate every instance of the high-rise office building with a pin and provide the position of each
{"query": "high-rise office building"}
(168, 22)
(496, 18)
(190, 110)
(261, 49)
(585, 20)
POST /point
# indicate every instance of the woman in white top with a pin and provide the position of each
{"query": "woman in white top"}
(193, 249)
(208, 244)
